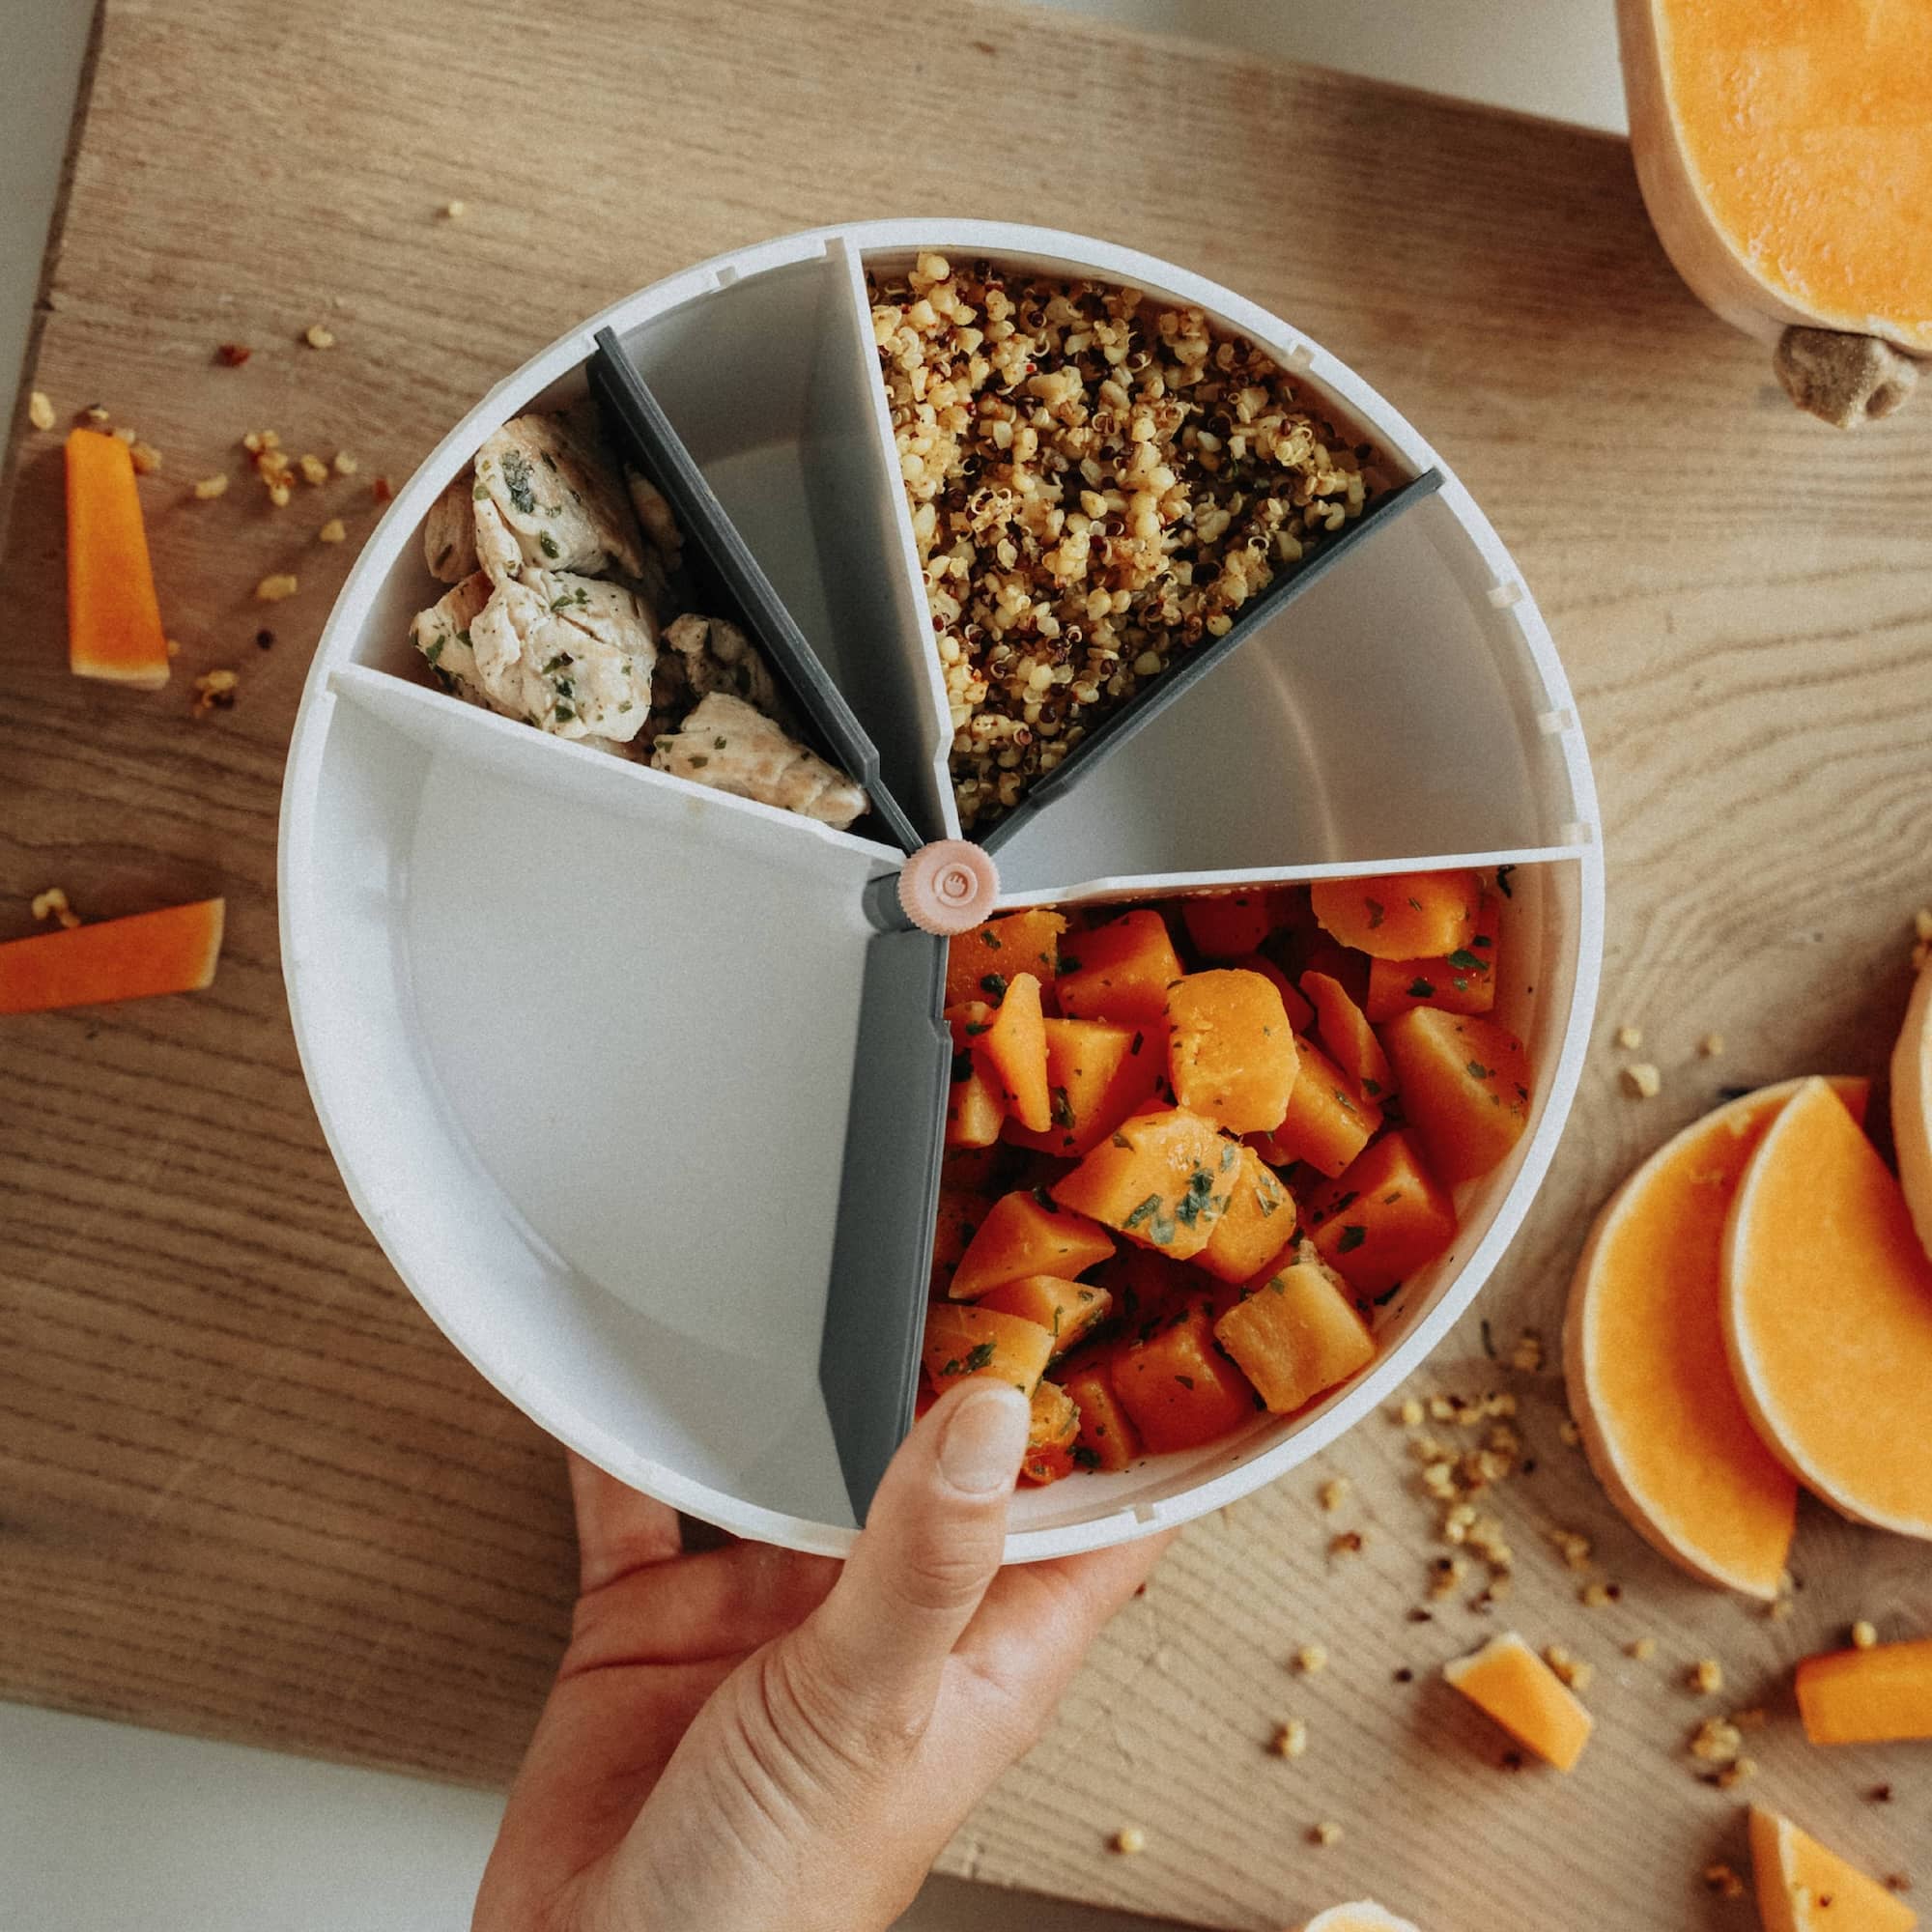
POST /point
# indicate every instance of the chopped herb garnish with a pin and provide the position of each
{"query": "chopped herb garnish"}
(1122, 1141)
(1062, 1108)
(1352, 1237)
(1488, 1340)
(1383, 1300)
(1086, 1456)
(982, 1358)
(1503, 885)
(698, 762)
(1371, 1087)
(1067, 965)
(1045, 1200)
(1466, 961)
(718, 744)
(1185, 1381)
(974, 1028)
(1421, 989)
(1378, 912)
(1483, 939)
(1276, 1286)
(517, 481)
(435, 651)
(1415, 904)
(962, 1067)
(994, 983)
(1478, 1071)
(564, 713)
(1139, 1041)
(547, 544)
(990, 941)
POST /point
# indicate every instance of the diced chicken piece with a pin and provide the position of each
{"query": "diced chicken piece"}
(449, 533)
(442, 635)
(726, 744)
(567, 653)
(713, 655)
(543, 485)
(654, 514)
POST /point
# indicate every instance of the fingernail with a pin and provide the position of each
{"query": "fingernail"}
(982, 1445)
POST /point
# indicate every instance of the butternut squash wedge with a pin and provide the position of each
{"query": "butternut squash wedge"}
(1912, 1105)
(1050, 1437)
(1068, 1310)
(962, 1342)
(1120, 971)
(1295, 1333)
(1803, 1888)
(1381, 1218)
(1015, 1048)
(1258, 1223)
(1398, 915)
(1096, 1074)
(1179, 1387)
(113, 618)
(1868, 1697)
(1827, 1315)
(1365, 1915)
(174, 951)
(1347, 1038)
(1643, 1358)
(1509, 1682)
(1464, 1088)
(1021, 1234)
(1161, 1179)
(1780, 147)
(1326, 1125)
(1231, 1057)
(981, 964)
(1106, 1438)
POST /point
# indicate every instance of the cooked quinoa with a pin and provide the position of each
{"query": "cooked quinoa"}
(1096, 483)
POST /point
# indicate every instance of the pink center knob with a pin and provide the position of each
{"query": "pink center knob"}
(948, 887)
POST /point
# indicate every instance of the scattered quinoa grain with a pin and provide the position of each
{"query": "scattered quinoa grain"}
(1333, 1492)
(1129, 1839)
(1311, 1658)
(345, 465)
(232, 354)
(453, 211)
(1629, 1038)
(210, 487)
(1291, 1740)
(274, 587)
(1717, 1741)
(1595, 1596)
(1897, 1881)
(1570, 1668)
(124, 435)
(1642, 1648)
(1863, 1635)
(97, 416)
(1723, 1881)
(1527, 1355)
(1706, 1677)
(146, 459)
(39, 410)
(1642, 1081)
(280, 495)
(316, 336)
(313, 469)
(1573, 1547)
(332, 531)
(1409, 1415)
(174, 647)
(1729, 1777)
(1348, 1543)
(215, 691)
(52, 904)
(1569, 1433)
(1327, 1832)
(1712, 1045)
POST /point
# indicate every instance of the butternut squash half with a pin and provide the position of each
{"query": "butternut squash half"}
(1782, 153)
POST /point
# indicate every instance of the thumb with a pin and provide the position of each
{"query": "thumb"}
(931, 1544)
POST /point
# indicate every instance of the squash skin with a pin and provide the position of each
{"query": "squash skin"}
(1912, 1105)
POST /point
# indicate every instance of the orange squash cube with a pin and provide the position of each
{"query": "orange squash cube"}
(1106, 1438)
(973, 1108)
(1383, 1219)
(1258, 1224)
(1326, 1123)
(1231, 1053)
(1178, 1388)
(1051, 1436)
(1024, 1233)
(1096, 1074)
(1295, 1333)
(1121, 971)
(1223, 926)
(113, 621)
(961, 1341)
(1068, 1310)
(1464, 1088)
(1512, 1684)
(1399, 914)
(1301, 1014)
(981, 964)
(1014, 1051)
(1465, 982)
(1348, 1037)
(1160, 1179)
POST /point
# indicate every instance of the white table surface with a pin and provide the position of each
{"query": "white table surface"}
(104, 1827)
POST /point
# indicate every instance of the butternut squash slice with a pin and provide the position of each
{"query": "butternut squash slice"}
(1364, 1916)
(1803, 1888)
(1827, 1315)
(1868, 1697)
(1643, 1356)
(174, 951)
(1509, 1683)
(1781, 146)
(113, 619)
(1912, 1106)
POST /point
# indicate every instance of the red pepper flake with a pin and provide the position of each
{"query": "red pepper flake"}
(381, 490)
(232, 354)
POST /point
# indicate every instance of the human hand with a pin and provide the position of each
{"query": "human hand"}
(745, 1739)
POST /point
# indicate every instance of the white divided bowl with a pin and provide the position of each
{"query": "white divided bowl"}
(581, 1035)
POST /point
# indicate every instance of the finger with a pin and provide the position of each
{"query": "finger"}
(931, 1544)
(618, 1529)
(1039, 1619)
(717, 1603)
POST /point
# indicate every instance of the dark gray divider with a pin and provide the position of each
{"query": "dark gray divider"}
(717, 551)
(888, 1205)
(1145, 706)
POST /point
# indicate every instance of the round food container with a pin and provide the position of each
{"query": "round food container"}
(599, 1051)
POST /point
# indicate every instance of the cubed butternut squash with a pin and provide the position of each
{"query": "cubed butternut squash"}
(981, 964)
(1160, 1179)
(1259, 1221)
(1014, 1051)
(1383, 1219)
(1178, 1388)
(1295, 1333)
(1106, 1438)
(1121, 971)
(961, 1341)
(1022, 1234)
(1231, 1055)
(1348, 1037)
(1512, 1684)
(113, 621)
(1225, 924)
(1462, 981)
(1464, 1088)
(1399, 914)
(974, 1109)
(1325, 1125)
(1051, 1435)
(1068, 1310)
(1868, 1697)
(1096, 1074)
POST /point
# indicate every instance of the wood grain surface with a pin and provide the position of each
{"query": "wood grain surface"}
(246, 1489)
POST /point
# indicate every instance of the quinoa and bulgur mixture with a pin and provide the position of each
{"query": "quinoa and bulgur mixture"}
(1097, 484)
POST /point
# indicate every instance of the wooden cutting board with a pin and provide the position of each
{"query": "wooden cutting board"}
(246, 1489)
